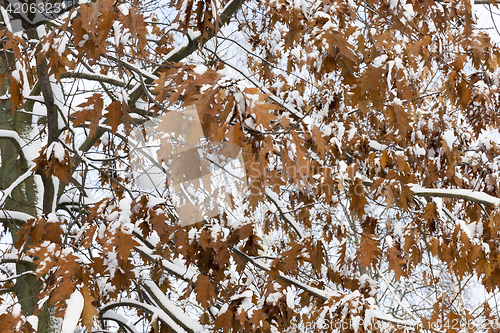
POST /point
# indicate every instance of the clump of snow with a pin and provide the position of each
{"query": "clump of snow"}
(274, 297)
(388, 239)
(378, 61)
(33, 320)
(82, 42)
(60, 45)
(479, 229)
(52, 218)
(419, 151)
(393, 5)
(117, 27)
(465, 228)
(449, 137)
(154, 201)
(200, 69)
(125, 212)
(124, 8)
(16, 75)
(290, 296)
(16, 310)
(351, 133)
(223, 309)
(57, 150)
(73, 312)
(407, 10)
(111, 264)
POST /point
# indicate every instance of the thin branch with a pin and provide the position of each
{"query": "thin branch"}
(94, 77)
(396, 298)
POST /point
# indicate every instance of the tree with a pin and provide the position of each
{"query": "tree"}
(250, 167)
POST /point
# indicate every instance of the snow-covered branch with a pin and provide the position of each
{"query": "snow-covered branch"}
(179, 316)
(322, 294)
(14, 215)
(8, 191)
(284, 213)
(475, 196)
(155, 311)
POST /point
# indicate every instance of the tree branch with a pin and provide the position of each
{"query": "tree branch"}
(475, 196)
(181, 53)
(94, 77)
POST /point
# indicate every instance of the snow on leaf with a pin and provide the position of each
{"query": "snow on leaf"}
(75, 305)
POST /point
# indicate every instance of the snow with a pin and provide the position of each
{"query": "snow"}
(52, 218)
(73, 312)
(111, 264)
(177, 267)
(326, 294)
(408, 12)
(351, 133)
(274, 297)
(72, 197)
(287, 106)
(485, 247)
(466, 228)
(374, 313)
(121, 36)
(33, 320)
(397, 61)
(55, 183)
(367, 281)
(61, 45)
(449, 138)
(16, 75)
(290, 297)
(378, 61)
(16, 310)
(6, 18)
(479, 229)
(247, 307)
(397, 230)
(419, 151)
(85, 37)
(377, 146)
(192, 35)
(200, 69)
(388, 240)
(223, 309)
(14, 136)
(393, 5)
(390, 64)
(124, 8)
(125, 213)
